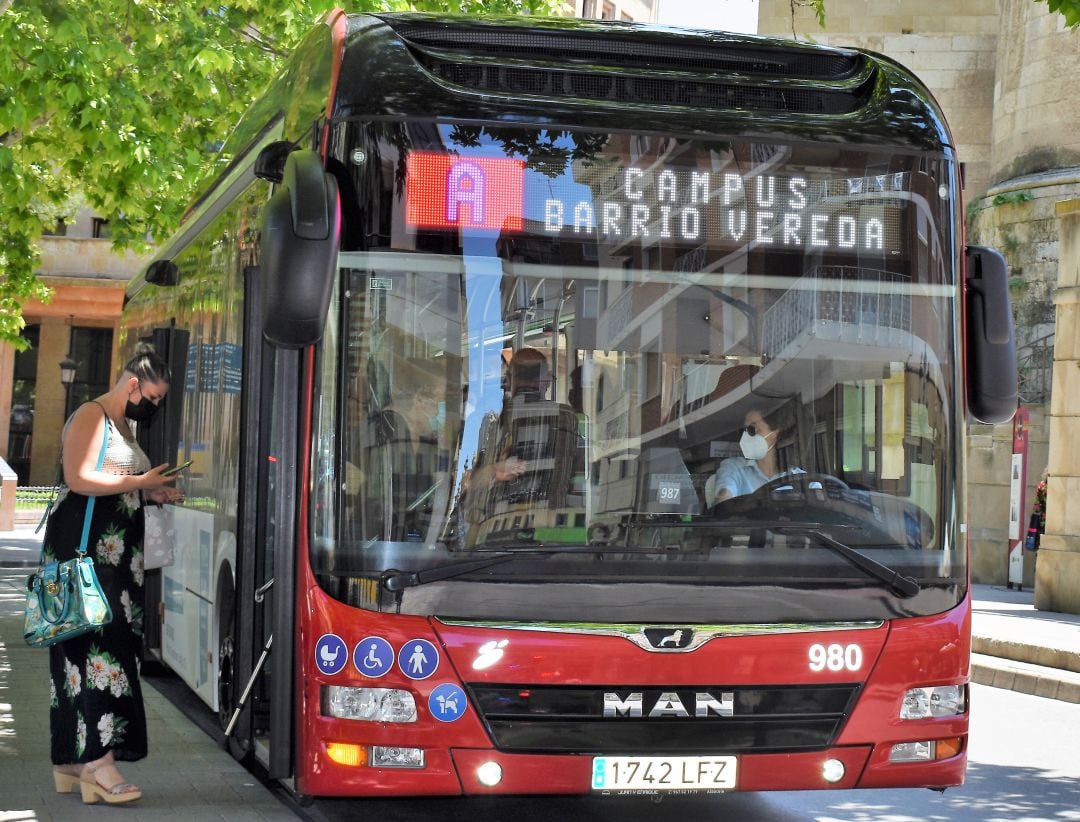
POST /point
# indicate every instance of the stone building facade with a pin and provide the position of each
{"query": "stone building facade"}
(88, 280)
(1057, 577)
(636, 11)
(997, 68)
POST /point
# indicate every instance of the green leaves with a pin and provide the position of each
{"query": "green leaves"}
(1069, 9)
(120, 102)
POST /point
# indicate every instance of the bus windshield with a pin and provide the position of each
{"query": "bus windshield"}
(604, 377)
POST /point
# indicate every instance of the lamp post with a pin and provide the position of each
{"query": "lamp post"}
(68, 367)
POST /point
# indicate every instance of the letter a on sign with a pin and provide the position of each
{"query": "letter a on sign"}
(445, 191)
(465, 190)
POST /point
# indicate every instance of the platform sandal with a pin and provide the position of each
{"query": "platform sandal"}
(65, 782)
(92, 790)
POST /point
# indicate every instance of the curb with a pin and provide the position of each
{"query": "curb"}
(1064, 660)
(1025, 677)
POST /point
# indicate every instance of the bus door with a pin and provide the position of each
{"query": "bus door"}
(263, 678)
(278, 516)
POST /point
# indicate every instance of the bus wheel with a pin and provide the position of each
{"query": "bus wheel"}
(226, 669)
(238, 748)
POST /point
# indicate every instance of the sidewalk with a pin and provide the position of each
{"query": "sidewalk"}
(1013, 646)
(187, 775)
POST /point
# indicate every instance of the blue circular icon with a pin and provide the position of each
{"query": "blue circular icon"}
(373, 656)
(331, 655)
(418, 659)
(447, 702)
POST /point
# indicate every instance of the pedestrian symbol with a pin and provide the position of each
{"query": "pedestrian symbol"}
(418, 659)
(447, 702)
(331, 655)
(373, 656)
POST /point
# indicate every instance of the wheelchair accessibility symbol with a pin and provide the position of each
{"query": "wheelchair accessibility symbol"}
(447, 702)
(373, 656)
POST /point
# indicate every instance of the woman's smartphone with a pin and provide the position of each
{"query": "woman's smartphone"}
(176, 469)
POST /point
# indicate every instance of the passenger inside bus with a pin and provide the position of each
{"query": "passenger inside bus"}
(407, 431)
(760, 460)
(528, 452)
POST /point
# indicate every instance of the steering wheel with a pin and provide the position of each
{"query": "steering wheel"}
(752, 504)
(805, 480)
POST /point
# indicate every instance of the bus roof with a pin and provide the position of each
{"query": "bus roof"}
(613, 75)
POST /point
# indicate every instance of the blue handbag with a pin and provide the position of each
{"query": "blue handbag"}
(64, 599)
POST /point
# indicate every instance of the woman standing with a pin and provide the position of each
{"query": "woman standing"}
(96, 715)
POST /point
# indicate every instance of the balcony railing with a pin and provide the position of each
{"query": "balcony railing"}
(859, 305)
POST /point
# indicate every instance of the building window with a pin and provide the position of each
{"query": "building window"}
(91, 348)
(588, 8)
(58, 230)
(626, 18)
(102, 229)
(609, 11)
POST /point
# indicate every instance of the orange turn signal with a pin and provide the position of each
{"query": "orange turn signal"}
(948, 747)
(346, 753)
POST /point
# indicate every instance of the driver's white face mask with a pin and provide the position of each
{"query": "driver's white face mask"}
(753, 447)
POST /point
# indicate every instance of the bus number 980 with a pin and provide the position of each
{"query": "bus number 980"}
(835, 657)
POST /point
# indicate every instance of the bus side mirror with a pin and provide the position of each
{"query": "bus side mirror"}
(990, 345)
(300, 239)
(163, 273)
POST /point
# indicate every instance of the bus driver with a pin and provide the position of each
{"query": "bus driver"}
(758, 464)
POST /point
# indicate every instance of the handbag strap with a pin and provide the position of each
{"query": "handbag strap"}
(91, 499)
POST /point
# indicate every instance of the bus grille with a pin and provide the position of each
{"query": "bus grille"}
(772, 719)
(589, 65)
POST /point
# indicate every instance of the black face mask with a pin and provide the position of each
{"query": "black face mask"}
(141, 411)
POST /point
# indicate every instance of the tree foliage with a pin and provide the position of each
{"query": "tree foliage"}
(122, 102)
(1069, 9)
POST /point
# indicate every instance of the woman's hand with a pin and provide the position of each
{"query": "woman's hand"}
(155, 479)
(166, 495)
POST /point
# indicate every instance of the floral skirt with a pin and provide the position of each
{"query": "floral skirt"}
(96, 700)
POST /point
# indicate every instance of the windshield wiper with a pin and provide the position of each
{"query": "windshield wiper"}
(396, 581)
(897, 582)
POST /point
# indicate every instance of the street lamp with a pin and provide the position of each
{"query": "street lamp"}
(67, 377)
(68, 367)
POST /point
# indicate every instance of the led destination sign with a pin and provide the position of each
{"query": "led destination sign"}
(671, 204)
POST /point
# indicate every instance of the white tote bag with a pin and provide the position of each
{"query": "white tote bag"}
(159, 538)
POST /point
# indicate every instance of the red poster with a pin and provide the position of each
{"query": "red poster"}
(1017, 488)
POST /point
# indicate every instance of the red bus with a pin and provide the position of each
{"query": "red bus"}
(707, 533)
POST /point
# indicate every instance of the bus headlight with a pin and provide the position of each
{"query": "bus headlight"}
(931, 749)
(939, 701)
(386, 756)
(368, 704)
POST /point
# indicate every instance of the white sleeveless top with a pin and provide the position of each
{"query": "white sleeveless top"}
(122, 456)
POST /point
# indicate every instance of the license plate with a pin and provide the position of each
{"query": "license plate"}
(663, 773)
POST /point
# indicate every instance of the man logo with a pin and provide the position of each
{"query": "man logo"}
(668, 704)
(669, 639)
